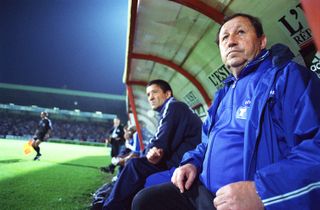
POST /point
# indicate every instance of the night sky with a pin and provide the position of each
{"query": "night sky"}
(72, 44)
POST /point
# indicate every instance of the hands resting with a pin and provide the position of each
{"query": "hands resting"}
(238, 196)
(154, 155)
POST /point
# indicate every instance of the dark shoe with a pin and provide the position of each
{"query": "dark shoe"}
(102, 169)
(107, 170)
(37, 157)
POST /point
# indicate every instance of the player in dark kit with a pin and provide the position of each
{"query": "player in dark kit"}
(42, 133)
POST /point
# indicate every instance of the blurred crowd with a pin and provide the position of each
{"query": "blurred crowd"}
(25, 125)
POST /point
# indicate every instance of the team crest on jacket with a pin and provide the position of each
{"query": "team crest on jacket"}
(242, 111)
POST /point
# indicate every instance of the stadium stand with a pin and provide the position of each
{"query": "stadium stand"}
(23, 124)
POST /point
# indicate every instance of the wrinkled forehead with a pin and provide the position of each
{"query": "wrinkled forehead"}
(236, 23)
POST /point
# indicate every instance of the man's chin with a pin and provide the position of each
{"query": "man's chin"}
(236, 62)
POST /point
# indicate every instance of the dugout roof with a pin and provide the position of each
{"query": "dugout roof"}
(174, 40)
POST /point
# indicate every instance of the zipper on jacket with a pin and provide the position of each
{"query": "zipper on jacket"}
(234, 85)
(213, 137)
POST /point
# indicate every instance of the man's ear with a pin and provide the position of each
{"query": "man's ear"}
(168, 94)
(263, 40)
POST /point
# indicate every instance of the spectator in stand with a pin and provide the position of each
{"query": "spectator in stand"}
(23, 125)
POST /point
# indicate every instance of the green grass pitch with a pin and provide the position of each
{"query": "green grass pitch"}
(64, 178)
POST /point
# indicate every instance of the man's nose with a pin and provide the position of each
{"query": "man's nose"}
(232, 41)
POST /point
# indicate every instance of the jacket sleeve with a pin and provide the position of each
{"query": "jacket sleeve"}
(294, 181)
(136, 144)
(196, 156)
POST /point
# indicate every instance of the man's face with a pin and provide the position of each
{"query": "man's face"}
(127, 134)
(116, 122)
(156, 96)
(239, 43)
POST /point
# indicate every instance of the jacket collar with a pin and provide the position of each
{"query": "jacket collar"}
(161, 108)
(250, 67)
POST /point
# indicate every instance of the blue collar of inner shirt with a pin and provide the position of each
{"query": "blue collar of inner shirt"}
(250, 67)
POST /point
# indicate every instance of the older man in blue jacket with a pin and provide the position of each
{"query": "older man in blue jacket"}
(261, 141)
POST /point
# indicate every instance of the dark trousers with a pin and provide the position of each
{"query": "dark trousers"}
(168, 197)
(116, 146)
(130, 181)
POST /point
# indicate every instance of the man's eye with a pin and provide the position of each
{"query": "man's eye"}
(241, 32)
(224, 38)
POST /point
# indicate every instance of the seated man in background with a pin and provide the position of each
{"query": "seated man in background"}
(261, 141)
(179, 130)
(131, 150)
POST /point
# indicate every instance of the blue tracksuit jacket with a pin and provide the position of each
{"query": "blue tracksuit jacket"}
(282, 135)
(179, 131)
